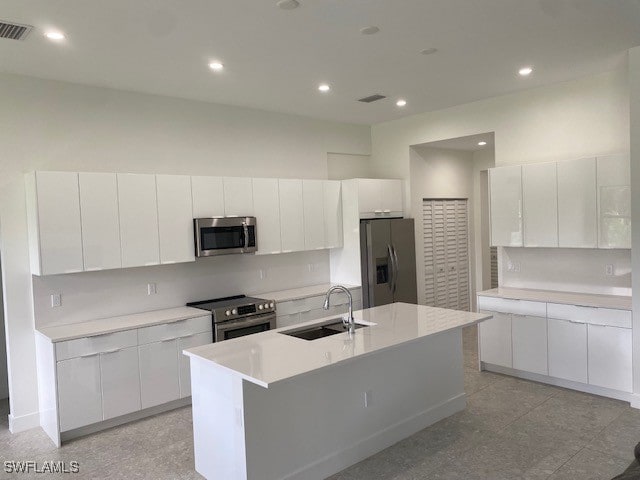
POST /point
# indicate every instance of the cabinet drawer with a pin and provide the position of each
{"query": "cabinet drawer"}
(81, 347)
(593, 315)
(507, 305)
(179, 328)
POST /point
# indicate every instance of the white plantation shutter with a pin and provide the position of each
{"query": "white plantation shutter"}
(446, 253)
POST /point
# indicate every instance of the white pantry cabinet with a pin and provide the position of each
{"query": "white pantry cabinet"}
(614, 201)
(540, 205)
(291, 215)
(79, 391)
(175, 218)
(313, 202)
(238, 197)
(100, 221)
(208, 197)
(120, 382)
(266, 200)
(610, 357)
(495, 339)
(379, 197)
(138, 208)
(505, 188)
(529, 343)
(332, 194)
(53, 216)
(577, 212)
(190, 341)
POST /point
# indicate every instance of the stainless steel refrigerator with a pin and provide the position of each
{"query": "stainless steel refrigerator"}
(388, 258)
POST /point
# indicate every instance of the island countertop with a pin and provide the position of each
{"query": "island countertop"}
(270, 357)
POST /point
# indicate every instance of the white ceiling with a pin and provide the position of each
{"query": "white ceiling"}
(275, 58)
(467, 144)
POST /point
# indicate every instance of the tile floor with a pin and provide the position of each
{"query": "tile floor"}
(511, 429)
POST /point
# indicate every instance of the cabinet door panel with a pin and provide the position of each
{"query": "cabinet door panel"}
(175, 218)
(567, 350)
(495, 340)
(159, 375)
(614, 201)
(138, 209)
(577, 212)
(505, 191)
(369, 199)
(208, 197)
(58, 203)
(185, 371)
(79, 396)
(100, 221)
(529, 340)
(120, 382)
(610, 357)
(267, 211)
(540, 205)
(238, 197)
(291, 215)
(333, 213)
(391, 194)
(313, 201)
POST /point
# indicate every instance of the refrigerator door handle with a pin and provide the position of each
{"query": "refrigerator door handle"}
(396, 268)
(392, 274)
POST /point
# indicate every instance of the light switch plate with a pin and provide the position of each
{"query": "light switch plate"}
(56, 300)
(263, 274)
(368, 398)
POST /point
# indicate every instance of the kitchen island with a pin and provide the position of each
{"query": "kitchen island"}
(272, 406)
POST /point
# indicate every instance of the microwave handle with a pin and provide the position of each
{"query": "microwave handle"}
(245, 229)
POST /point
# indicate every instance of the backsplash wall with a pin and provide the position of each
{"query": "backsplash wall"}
(567, 269)
(92, 295)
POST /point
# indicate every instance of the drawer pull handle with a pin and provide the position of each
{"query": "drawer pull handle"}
(187, 336)
(178, 321)
(90, 355)
(112, 351)
(168, 340)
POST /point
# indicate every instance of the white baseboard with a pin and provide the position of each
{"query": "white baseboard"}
(380, 440)
(24, 422)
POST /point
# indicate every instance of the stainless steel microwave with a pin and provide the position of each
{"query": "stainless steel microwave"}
(225, 235)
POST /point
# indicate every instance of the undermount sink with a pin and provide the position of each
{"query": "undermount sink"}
(325, 329)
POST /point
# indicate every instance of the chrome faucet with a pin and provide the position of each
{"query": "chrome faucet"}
(349, 322)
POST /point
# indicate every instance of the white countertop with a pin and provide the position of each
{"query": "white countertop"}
(619, 302)
(303, 292)
(270, 357)
(59, 333)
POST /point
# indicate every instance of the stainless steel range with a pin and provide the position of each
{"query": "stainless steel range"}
(239, 315)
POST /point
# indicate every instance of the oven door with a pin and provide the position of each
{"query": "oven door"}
(220, 236)
(246, 326)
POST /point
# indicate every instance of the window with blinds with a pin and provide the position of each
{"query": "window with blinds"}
(446, 253)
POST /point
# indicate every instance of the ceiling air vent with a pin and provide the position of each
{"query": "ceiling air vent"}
(14, 31)
(372, 98)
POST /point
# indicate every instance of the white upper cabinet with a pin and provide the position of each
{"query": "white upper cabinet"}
(208, 197)
(138, 220)
(100, 221)
(333, 213)
(291, 215)
(313, 202)
(379, 197)
(614, 202)
(577, 215)
(540, 205)
(506, 206)
(267, 212)
(175, 218)
(55, 235)
(238, 197)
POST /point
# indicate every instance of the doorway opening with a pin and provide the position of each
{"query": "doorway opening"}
(4, 374)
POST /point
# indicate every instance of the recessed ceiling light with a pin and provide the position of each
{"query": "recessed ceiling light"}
(401, 103)
(216, 66)
(371, 30)
(428, 51)
(323, 87)
(525, 71)
(288, 4)
(54, 35)
(482, 144)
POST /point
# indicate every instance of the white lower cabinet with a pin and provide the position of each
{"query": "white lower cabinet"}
(610, 361)
(159, 376)
(79, 391)
(495, 340)
(120, 382)
(568, 350)
(185, 372)
(529, 343)
(293, 312)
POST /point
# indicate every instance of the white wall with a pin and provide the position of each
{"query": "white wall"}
(46, 125)
(4, 379)
(343, 166)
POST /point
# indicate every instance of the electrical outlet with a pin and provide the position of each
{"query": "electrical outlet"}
(311, 267)
(367, 398)
(56, 300)
(516, 267)
(263, 274)
(152, 289)
(608, 270)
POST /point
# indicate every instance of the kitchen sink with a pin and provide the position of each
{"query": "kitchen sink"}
(325, 329)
